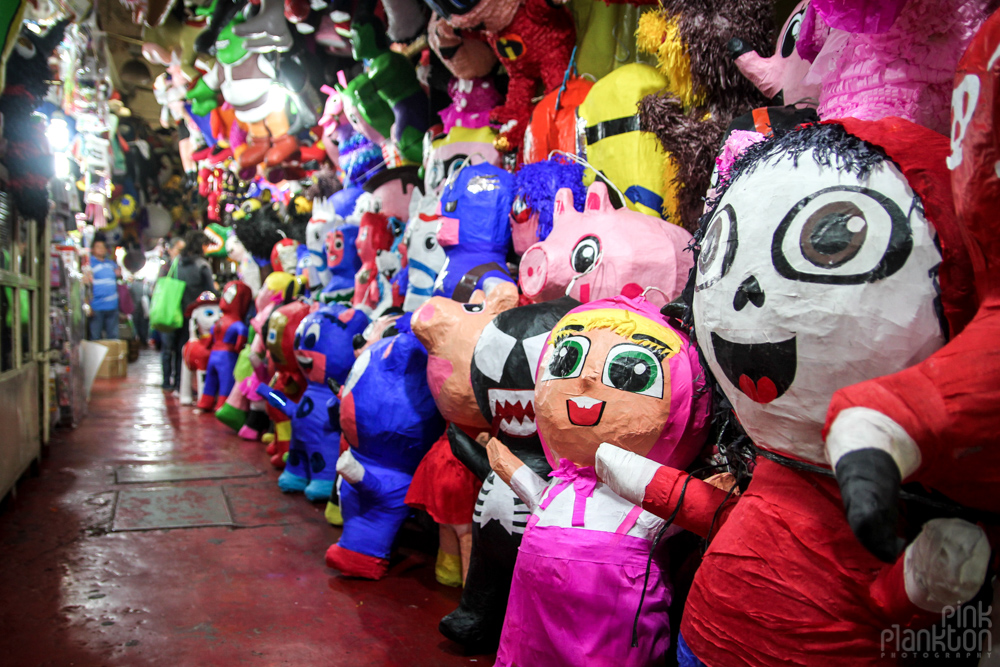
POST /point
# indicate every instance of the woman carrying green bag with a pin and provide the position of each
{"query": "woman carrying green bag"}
(195, 273)
(166, 313)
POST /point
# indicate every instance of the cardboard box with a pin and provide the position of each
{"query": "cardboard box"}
(113, 368)
(115, 364)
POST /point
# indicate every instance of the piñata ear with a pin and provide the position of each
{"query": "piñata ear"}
(597, 198)
(563, 204)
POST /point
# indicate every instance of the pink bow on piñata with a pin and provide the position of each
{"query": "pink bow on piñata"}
(584, 481)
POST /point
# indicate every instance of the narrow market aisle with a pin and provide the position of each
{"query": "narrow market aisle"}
(88, 579)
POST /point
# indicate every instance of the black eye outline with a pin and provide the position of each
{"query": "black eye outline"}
(896, 253)
(450, 206)
(25, 47)
(430, 242)
(582, 345)
(453, 164)
(589, 241)
(655, 389)
(708, 255)
(791, 36)
(473, 307)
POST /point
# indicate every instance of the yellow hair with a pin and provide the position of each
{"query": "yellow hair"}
(483, 135)
(278, 281)
(659, 35)
(302, 205)
(622, 323)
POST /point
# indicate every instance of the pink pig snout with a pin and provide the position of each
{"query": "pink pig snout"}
(447, 234)
(539, 276)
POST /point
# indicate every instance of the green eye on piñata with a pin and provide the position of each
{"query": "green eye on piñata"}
(634, 369)
(568, 358)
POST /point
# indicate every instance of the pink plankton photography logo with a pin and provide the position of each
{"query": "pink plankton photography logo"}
(964, 632)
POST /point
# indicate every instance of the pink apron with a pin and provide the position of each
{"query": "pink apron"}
(575, 593)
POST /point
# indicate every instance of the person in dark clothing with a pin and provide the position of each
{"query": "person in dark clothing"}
(196, 273)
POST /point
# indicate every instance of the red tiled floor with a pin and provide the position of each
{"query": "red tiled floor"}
(75, 593)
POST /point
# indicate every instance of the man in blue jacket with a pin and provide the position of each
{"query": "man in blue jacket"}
(104, 274)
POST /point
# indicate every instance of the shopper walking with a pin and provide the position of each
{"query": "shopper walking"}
(171, 380)
(140, 316)
(103, 277)
(196, 273)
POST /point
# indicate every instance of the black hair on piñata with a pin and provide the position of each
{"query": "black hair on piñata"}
(693, 143)
(259, 230)
(324, 185)
(690, 116)
(706, 26)
(829, 145)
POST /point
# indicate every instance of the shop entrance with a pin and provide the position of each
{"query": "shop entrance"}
(23, 327)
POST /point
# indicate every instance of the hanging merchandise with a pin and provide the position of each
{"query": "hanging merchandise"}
(392, 77)
(229, 335)
(553, 122)
(533, 41)
(888, 59)
(535, 189)
(10, 25)
(503, 380)
(248, 82)
(930, 423)
(612, 370)
(471, 103)
(839, 281)
(605, 251)
(336, 128)
(27, 155)
(369, 114)
(783, 73)
(610, 137)
(466, 56)
(389, 419)
(169, 89)
(360, 160)
(323, 343)
(267, 30)
(474, 231)
(202, 314)
(705, 91)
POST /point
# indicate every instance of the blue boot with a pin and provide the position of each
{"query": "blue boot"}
(319, 490)
(289, 482)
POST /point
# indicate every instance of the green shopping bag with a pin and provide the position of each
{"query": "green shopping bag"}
(165, 314)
